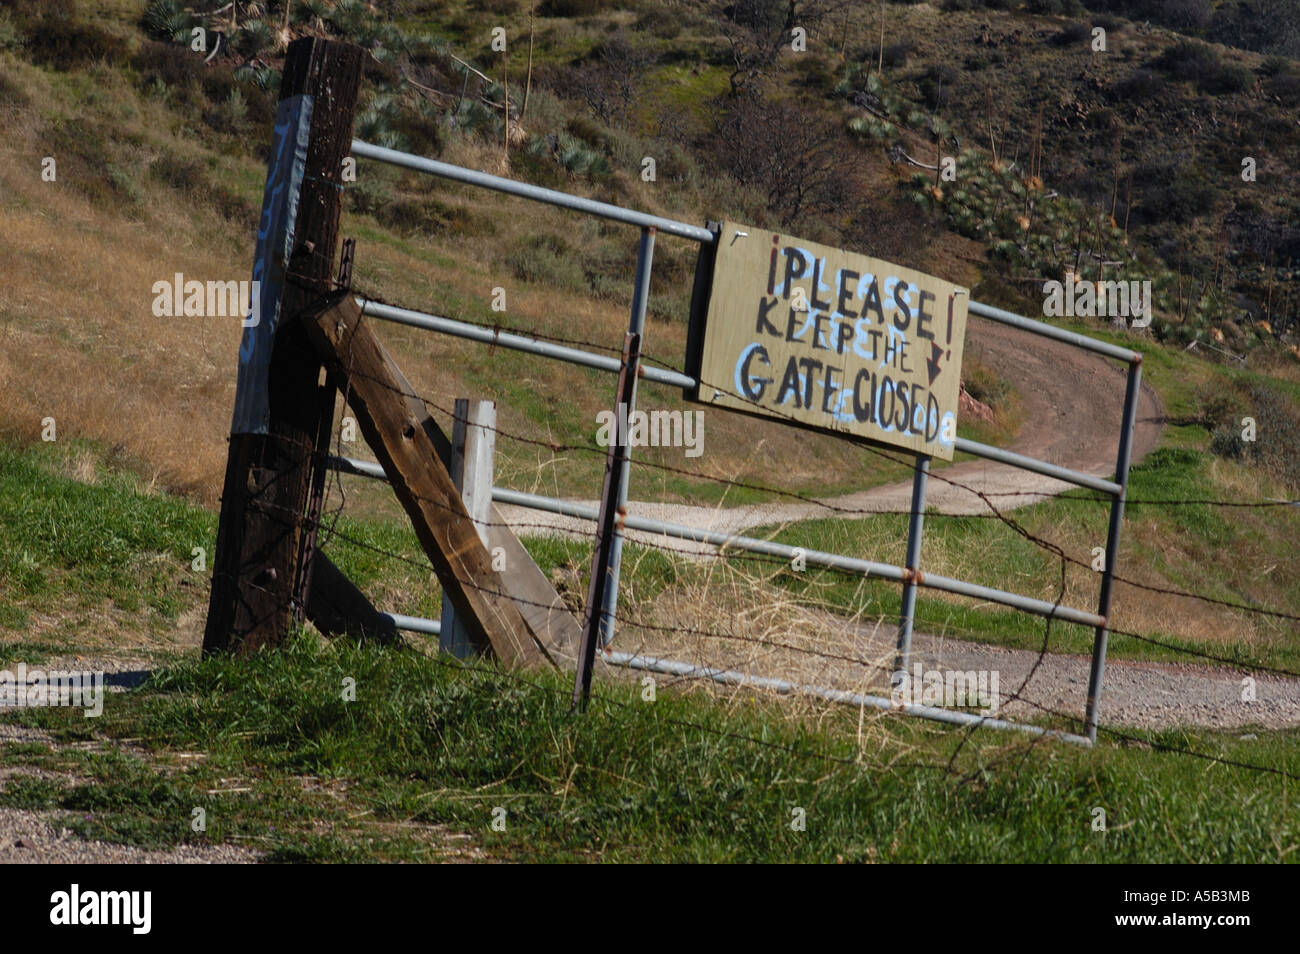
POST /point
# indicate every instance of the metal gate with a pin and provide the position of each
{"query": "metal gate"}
(910, 575)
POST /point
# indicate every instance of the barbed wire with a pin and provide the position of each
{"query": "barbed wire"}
(913, 464)
(1015, 696)
(996, 513)
(668, 365)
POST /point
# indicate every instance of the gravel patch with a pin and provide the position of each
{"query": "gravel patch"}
(28, 837)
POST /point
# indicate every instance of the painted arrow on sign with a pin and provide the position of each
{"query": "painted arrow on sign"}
(932, 362)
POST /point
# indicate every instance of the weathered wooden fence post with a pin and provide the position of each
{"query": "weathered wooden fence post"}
(473, 443)
(257, 566)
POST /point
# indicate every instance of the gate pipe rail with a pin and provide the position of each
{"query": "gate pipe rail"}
(836, 561)
(527, 190)
(602, 362)
(730, 677)
(910, 576)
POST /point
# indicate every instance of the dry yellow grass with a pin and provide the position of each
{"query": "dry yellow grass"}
(81, 345)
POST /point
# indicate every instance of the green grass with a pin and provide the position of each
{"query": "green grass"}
(111, 541)
(428, 746)
(281, 763)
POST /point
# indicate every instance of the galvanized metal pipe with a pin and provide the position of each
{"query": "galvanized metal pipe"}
(1123, 458)
(1051, 331)
(730, 677)
(414, 624)
(915, 527)
(515, 342)
(526, 190)
(676, 379)
(836, 561)
(868, 568)
(1076, 477)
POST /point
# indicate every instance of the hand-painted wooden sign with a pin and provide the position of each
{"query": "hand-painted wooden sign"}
(834, 340)
(274, 244)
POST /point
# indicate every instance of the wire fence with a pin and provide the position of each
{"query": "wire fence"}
(876, 665)
(666, 372)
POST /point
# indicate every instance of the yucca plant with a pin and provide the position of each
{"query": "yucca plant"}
(313, 12)
(168, 20)
(263, 77)
(350, 18)
(377, 123)
(573, 156)
(472, 116)
(254, 37)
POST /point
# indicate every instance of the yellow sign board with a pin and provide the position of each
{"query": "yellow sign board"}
(834, 340)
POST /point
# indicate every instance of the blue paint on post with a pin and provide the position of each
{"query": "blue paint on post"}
(284, 175)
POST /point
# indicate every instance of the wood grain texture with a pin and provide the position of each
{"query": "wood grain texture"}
(422, 484)
(256, 567)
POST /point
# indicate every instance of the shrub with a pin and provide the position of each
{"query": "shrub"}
(182, 173)
(11, 94)
(1277, 434)
(1189, 61)
(665, 24)
(1227, 442)
(1273, 65)
(1185, 14)
(936, 85)
(547, 258)
(1286, 87)
(423, 134)
(896, 54)
(501, 8)
(1073, 35)
(367, 195)
(573, 8)
(1229, 78)
(760, 15)
(1171, 192)
(429, 216)
(1140, 86)
(165, 63)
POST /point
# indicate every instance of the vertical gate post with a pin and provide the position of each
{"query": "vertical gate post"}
(915, 528)
(603, 578)
(257, 568)
(473, 444)
(1123, 458)
(636, 326)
